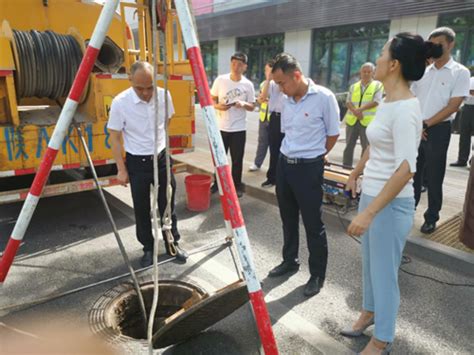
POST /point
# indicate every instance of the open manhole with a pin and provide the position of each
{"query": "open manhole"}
(184, 310)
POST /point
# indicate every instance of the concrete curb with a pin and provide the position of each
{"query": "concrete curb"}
(428, 250)
(443, 255)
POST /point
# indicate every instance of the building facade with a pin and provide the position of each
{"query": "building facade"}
(330, 38)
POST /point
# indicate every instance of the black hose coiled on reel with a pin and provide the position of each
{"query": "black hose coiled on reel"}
(48, 63)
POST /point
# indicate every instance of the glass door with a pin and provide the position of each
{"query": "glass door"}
(359, 52)
(338, 65)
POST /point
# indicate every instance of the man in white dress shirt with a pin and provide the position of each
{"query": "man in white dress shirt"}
(132, 117)
(440, 92)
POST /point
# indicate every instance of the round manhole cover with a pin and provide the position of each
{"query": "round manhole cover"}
(198, 316)
(184, 310)
(116, 315)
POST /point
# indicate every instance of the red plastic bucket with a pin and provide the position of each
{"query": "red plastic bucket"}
(198, 192)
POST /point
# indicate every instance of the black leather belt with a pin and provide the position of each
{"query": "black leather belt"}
(145, 157)
(301, 160)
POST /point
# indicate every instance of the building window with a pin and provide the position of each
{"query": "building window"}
(339, 52)
(259, 50)
(463, 25)
(209, 57)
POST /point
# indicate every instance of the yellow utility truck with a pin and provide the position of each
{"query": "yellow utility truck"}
(41, 46)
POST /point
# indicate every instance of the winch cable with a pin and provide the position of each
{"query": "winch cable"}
(112, 223)
(155, 211)
(48, 63)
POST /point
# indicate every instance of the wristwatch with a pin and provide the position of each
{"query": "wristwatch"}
(425, 125)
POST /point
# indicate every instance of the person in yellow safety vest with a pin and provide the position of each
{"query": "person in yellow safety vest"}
(362, 101)
(263, 108)
(263, 131)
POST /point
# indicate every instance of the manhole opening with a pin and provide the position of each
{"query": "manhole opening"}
(124, 313)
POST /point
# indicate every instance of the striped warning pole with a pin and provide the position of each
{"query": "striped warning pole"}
(228, 193)
(225, 211)
(59, 133)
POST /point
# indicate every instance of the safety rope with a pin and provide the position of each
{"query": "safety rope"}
(155, 212)
(169, 189)
(47, 62)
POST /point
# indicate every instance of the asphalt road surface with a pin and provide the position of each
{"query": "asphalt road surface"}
(70, 244)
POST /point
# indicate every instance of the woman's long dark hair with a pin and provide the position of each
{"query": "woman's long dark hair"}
(413, 53)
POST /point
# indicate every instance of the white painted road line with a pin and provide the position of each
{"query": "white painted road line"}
(290, 319)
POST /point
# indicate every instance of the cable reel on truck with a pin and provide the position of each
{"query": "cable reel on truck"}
(46, 61)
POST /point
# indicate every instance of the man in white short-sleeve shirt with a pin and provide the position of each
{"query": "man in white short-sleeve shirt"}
(132, 117)
(310, 121)
(440, 92)
(233, 95)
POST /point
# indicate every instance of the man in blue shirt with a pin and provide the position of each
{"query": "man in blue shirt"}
(310, 122)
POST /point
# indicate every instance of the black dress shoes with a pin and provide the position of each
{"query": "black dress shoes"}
(267, 183)
(458, 163)
(147, 258)
(240, 191)
(284, 268)
(181, 254)
(428, 228)
(313, 286)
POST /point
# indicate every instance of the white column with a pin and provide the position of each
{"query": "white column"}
(298, 43)
(422, 25)
(226, 47)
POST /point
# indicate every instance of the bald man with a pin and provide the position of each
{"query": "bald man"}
(132, 118)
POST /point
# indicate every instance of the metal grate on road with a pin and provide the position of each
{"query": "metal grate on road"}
(447, 233)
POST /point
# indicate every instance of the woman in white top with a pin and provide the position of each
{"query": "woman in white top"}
(387, 204)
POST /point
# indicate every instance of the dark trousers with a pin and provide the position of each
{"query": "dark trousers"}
(466, 129)
(140, 172)
(352, 134)
(263, 142)
(431, 161)
(235, 142)
(299, 190)
(276, 137)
